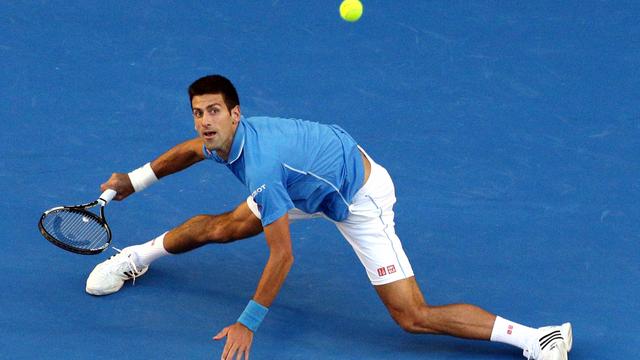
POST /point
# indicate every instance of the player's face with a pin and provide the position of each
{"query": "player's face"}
(214, 122)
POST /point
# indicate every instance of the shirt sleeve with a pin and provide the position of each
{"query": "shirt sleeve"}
(272, 197)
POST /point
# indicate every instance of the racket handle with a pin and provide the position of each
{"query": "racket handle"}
(106, 196)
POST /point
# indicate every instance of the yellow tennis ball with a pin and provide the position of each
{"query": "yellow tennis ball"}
(351, 10)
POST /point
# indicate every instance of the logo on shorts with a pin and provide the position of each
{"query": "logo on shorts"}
(510, 330)
(383, 271)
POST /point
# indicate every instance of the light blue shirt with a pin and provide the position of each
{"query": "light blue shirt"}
(287, 163)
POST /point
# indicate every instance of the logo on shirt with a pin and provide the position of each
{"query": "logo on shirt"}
(257, 191)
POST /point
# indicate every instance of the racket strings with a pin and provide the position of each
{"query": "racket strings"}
(76, 228)
(88, 229)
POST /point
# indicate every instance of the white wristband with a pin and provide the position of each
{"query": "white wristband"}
(142, 177)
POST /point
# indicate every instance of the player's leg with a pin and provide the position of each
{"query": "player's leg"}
(133, 261)
(200, 230)
(370, 229)
(407, 307)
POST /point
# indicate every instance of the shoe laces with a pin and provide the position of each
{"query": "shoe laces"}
(529, 352)
(131, 265)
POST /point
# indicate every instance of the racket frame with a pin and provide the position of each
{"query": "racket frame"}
(103, 200)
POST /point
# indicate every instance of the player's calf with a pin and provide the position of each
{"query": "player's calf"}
(213, 229)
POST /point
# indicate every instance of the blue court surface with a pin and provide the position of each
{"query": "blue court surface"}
(511, 129)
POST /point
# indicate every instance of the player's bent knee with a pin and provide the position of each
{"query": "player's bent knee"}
(210, 229)
(223, 228)
(411, 325)
(415, 321)
(219, 234)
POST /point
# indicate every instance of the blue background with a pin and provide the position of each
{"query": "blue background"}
(511, 130)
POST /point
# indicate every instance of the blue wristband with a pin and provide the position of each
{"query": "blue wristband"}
(253, 315)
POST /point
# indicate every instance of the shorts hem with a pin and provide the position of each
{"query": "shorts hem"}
(390, 280)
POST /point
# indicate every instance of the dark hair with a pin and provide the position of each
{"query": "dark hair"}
(215, 84)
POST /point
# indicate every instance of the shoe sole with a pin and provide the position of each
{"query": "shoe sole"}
(96, 292)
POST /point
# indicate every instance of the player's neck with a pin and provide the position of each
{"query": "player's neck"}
(223, 154)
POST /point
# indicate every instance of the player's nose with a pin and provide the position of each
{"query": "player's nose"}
(206, 121)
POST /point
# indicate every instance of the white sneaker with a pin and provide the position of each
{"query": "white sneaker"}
(552, 343)
(109, 276)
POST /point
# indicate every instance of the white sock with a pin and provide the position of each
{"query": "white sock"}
(511, 333)
(148, 252)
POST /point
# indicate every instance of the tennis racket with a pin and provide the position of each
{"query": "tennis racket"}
(76, 229)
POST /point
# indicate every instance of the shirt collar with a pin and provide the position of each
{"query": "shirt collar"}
(236, 146)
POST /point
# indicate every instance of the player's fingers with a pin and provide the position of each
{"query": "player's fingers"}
(243, 354)
(112, 180)
(110, 184)
(225, 351)
(221, 334)
(232, 351)
(246, 353)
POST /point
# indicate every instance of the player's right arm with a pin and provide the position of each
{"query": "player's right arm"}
(175, 159)
(178, 158)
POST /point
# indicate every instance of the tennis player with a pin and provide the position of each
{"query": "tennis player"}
(293, 170)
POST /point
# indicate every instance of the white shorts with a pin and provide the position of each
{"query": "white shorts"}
(369, 228)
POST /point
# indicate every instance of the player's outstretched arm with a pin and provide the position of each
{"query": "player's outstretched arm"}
(175, 159)
(240, 335)
(178, 158)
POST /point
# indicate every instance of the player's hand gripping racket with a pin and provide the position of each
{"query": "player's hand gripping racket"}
(76, 229)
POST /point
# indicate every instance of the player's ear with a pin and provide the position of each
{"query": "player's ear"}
(235, 113)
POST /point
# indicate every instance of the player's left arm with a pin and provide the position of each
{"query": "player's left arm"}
(279, 263)
(239, 337)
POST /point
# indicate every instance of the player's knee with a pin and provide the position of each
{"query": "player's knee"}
(219, 234)
(224, 228)
(415, 320)
(409, 324)
(211, 229)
